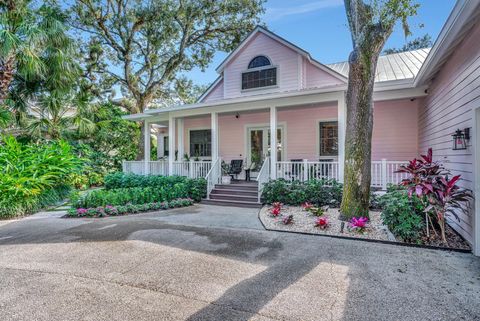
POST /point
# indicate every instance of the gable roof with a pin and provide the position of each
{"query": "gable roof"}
(286, 43)
(397, 66)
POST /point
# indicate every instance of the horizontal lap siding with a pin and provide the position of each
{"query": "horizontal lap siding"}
(453, 96)
(216, 93)
(302, 129)
(395, 130)
(280, 55)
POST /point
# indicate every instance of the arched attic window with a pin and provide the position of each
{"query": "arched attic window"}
(260, 74)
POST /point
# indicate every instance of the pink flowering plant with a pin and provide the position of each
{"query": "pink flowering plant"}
(358, 224)
(307, 206)
(287, 219)
(277, 205)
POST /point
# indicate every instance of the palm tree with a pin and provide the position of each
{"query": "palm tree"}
(39, 82)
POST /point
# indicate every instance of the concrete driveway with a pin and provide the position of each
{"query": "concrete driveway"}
(213, 263)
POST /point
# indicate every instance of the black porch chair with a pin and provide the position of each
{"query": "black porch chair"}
(236, 166)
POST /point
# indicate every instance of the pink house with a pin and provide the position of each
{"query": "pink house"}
(269, 85)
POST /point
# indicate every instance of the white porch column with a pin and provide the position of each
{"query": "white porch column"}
(181, 143)
(214, 132)
(171, 143)
(273, 142)
(342, 127)
(160, 145)
(146, 146)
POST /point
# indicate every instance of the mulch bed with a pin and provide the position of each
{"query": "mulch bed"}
(304, 222)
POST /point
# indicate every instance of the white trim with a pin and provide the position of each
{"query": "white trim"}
(263, 101)
(171, 143)
(317, 139)
(215, 136)
(187, 141)
(180, 139)
(299, 72)
(257, 126)
(273, 142)
(476, 170)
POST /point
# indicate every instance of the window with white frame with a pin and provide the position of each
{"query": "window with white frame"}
(328, 137)
(260, 74)
(201, 143)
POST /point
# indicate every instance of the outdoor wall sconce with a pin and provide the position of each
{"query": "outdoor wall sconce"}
(460, 138)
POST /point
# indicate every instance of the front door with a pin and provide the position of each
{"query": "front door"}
(259, 145)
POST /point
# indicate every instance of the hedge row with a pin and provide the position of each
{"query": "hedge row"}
(319, 192)
(109, 210)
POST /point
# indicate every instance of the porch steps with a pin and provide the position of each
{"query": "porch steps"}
(236, 194)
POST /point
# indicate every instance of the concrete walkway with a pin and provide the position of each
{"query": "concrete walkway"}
(212, 263)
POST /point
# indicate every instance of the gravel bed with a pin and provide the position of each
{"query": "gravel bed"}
(303, 221)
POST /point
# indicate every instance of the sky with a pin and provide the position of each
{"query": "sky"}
(320, 27)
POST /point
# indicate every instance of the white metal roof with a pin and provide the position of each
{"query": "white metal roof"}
(398, 66)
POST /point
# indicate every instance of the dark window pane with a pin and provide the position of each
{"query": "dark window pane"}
(259, 78)
(201, 143)
(329, 138)
(259, 61)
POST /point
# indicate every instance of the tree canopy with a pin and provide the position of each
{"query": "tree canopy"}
(424, 41)
(144, 46)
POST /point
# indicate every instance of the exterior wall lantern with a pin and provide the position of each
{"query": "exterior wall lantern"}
(460, 138)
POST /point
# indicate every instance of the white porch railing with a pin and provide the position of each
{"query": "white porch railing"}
(138, 167)
(306, 170)
(192, 169)
(383, 172)
(263, 177)
(213, 176)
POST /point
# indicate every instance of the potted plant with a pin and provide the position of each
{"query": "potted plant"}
(226, 179)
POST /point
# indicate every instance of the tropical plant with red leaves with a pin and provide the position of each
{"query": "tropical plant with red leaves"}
(321, 222)
(429, 181)
(275, 211)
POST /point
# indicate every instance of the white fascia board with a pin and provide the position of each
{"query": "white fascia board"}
(252, 98)
(405, 93)
(141, 116)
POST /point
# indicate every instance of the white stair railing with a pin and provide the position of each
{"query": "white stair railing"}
(263, 177)
(213, 176)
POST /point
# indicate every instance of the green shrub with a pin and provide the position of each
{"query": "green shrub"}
(403, 215)
(319, 192)
(33, 176)
(109, 210)
(193, 189)
(196, 188)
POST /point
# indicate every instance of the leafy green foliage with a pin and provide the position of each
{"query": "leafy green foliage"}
(319, 192)
(403, 215)
(33, 176)
(122, 189)
(418, 43)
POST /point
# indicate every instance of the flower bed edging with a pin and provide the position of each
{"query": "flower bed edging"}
(104, 211)
(398, 243)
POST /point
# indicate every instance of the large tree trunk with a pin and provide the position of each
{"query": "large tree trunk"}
(6, 77)
(358, 139)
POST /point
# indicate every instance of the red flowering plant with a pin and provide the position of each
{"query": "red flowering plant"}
(277, 205)
(275, 211)
(441, 196)
(321, 222)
